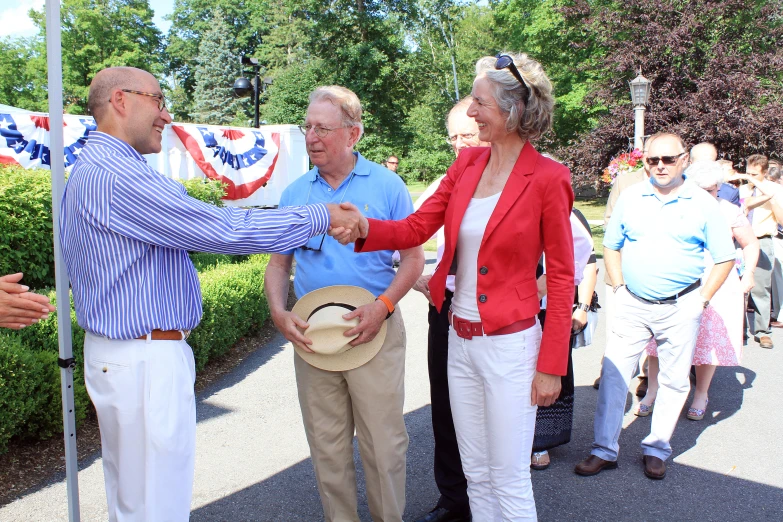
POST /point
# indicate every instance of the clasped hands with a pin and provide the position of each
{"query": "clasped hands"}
(18, 306)
(347, 224)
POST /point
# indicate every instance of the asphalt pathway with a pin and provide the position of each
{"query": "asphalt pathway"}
(253, 462)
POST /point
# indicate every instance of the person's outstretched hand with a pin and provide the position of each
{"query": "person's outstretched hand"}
(343, 227)
(18, 306)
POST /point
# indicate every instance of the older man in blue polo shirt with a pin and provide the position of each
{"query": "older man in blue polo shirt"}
(663, 226)
(368, 398)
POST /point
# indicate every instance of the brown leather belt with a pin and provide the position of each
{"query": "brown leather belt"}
(467, 329)
(166, 335)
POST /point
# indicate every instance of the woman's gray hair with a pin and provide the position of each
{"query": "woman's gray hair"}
(346, 100)
(531, 117)
(706, 174)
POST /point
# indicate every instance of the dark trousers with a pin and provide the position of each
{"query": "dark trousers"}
(448, 467)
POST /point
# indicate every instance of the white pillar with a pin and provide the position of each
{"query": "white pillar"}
(57, 164)
(638, 127)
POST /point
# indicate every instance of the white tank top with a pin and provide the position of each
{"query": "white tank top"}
(471, 232)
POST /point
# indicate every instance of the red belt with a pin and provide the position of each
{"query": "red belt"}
(166, 335)
(467, 329)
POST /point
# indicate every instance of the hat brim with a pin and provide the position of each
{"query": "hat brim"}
(356, 356)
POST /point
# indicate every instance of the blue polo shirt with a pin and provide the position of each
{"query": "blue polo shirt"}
(379, 193)
(663, 241)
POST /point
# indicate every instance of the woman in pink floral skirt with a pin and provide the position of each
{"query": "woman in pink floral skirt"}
(719, 341)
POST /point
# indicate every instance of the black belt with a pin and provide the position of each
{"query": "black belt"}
(671, 298)
(765, 236)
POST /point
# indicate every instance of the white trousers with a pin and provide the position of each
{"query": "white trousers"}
(674, 327)
(143, 394)
(490, 379)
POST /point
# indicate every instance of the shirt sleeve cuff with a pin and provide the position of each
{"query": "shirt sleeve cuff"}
(319, 218)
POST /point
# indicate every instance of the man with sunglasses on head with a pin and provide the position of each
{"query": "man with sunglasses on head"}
(663, 226)
(126, 231)
(368, 399)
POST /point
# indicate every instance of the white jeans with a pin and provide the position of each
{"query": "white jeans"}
(490, 378)
(674, 326)
(143, 394)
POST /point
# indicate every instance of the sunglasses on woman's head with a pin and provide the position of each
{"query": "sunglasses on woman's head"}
(504, 61)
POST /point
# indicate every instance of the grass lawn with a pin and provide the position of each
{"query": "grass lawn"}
(593, 209)
(418, 187)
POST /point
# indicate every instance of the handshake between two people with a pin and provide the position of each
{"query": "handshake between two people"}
(347, 224)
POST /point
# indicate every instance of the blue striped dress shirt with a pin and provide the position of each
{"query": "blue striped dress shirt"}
(126, 231)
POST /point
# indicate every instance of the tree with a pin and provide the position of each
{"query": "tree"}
(245, 26)
(716, 72)
(217, 68)
(18, 85)
(568, 52)
(97, 34)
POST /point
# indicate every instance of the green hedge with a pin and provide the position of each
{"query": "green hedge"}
(30, 400)
(26, 225)
(26, 221)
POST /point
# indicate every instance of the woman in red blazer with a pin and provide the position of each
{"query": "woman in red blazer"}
(502, 207)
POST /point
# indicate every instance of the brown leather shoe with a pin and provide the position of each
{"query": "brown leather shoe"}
(641, 390)
(593, 465)
(765, 342)
(654, 467)
(776, 324)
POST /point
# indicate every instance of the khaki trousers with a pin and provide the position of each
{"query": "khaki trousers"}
(368, 399)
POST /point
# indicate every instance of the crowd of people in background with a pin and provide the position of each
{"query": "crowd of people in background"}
(693, 254)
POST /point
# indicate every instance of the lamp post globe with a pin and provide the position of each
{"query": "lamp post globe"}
(640, 96)
(243, 88)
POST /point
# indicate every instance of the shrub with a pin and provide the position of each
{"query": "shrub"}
(234, 305)
(204, 261)
(206, 190)
(30, 401)
(26, 225)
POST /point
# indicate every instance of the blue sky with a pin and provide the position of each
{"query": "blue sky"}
(15, 22)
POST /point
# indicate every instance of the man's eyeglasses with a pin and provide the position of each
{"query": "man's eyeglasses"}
(161, 99)
(465, 137)
(321, 132)
(652, 161)
(305, 247)
(504, 61)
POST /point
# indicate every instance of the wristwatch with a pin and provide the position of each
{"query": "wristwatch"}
(584, 307)
(704, 301)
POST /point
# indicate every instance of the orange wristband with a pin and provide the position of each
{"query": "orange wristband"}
(389, 305)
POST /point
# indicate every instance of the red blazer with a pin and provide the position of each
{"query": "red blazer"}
(531, 217)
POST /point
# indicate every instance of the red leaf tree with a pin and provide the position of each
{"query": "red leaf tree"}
(716, 68)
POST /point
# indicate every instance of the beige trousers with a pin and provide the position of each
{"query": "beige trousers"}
(368, 399)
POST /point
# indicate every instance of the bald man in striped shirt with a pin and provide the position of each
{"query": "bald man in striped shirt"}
(126, 231)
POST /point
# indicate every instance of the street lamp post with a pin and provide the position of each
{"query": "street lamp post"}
(243, 87)
(640, 95)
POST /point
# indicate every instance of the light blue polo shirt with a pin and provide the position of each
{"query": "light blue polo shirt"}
(379, 193)
(663, 241)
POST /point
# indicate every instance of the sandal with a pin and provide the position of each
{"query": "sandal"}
(643, 410)
(539, 460)
(695, 414)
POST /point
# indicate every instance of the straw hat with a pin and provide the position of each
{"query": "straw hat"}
(323, 310)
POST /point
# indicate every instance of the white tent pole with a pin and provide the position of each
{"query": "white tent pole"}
(57, 163)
